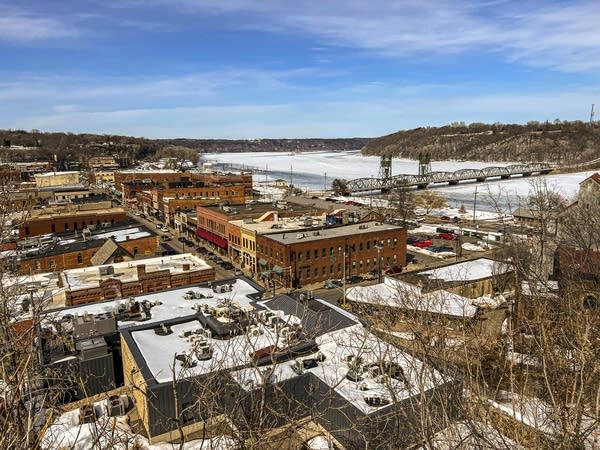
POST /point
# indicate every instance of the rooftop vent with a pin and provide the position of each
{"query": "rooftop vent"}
(163, 330)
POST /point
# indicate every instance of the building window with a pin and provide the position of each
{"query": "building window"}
(360, 246)
(53, 228)
(135, 251)
(307, 273)
(331, 268)
(307, 255)
(79, 258)
(368, 245)
(316, 271)
(52, 264)
(27, 230)
(324, 253)
(66, 227)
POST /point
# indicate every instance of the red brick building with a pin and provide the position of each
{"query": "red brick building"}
(297, 259)
(128, 242)
(127, 279)
(70, 218)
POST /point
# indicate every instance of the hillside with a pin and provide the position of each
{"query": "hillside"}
(82, 146)
(559, 142)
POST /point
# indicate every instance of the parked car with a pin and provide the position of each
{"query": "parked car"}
(447, 236)
(423, 244)
(238, 273)
(354, 279)
(440, 249)
(181, 239)
(394, 270)
(227, 266)
(159, 225)
(165, 237)
(219, 261)
(164, 229)
(445, 218)
(330, 284)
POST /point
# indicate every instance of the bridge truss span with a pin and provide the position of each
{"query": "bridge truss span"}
(422, 181)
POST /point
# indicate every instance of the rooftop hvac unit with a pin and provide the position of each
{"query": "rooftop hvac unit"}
(254, 331)
(262, 316)
(116, 405)
(106, 270)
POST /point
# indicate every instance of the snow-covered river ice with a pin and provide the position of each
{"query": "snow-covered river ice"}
(316, 170)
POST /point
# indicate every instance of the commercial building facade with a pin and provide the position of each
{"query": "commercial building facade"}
(298, 259)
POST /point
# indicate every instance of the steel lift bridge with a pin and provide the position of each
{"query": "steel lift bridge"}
(385, 181)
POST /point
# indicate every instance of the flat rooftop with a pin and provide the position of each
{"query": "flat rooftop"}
(333, 232)
(89, 277)
(68, 242)
(476, 269)
(398, 294)
(233, 212)
(170, 304)
(337, 350)
(282, 225)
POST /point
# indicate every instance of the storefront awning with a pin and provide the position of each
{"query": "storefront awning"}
(211, 237)
(278, 270)
(262, 262)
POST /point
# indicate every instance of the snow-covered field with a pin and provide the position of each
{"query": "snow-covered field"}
(316, 170)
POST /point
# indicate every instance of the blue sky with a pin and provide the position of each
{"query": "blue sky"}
(277, 68)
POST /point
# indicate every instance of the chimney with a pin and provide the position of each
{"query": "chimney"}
(186, 267)
(141, 270)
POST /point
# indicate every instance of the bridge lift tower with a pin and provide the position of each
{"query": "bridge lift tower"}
(424, 163)
(385, 169)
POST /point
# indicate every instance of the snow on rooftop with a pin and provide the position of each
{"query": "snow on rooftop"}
(127, 271)
(476, 269)
(159, 351)
(169, 304)
(396, 293)
(357, 342)
(338, 349)
(471, 434)
(114, 433)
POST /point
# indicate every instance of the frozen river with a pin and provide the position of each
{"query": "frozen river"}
(316, 170)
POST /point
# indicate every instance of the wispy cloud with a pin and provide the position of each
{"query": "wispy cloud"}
(26, 27)
(559, 36)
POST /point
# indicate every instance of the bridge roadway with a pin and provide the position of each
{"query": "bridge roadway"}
(452, 178)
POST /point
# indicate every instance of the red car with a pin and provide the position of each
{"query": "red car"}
(423, 244)
(447, 236)
(393, 270)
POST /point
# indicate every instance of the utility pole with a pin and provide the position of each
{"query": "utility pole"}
(474, 205)
(344, 279)
(379, 247)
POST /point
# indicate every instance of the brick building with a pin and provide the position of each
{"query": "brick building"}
(297, 259)
(56, 179)
(111, 245)
(130, 278)
(70, 218)
(213, 222)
